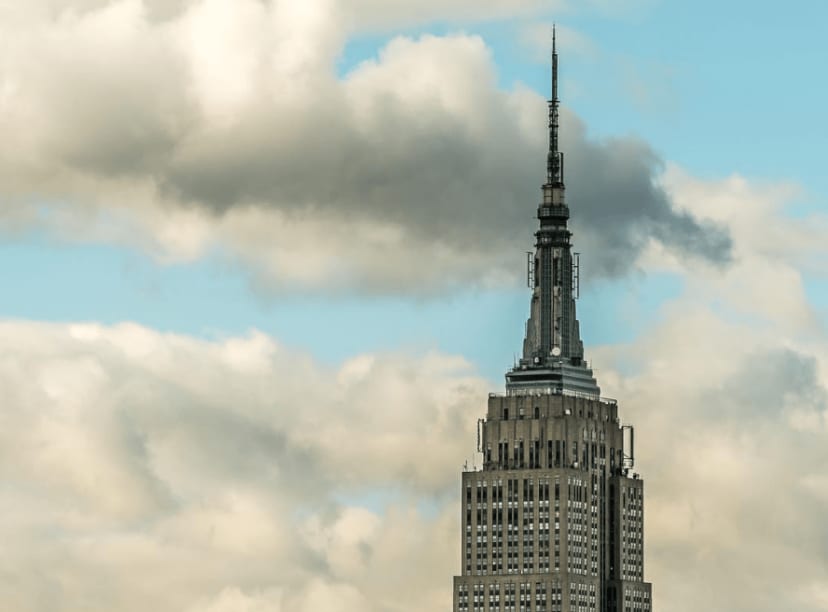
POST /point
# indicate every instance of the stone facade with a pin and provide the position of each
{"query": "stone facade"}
(554, 520)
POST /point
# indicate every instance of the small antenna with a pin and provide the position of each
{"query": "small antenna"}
(554, 62)
(576, 276)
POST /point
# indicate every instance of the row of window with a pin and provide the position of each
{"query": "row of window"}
(557, 453)
(536, 412)
(583, 597)
(528, 497)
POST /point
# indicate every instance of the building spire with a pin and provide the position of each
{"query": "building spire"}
(554, 162)
(553, 353)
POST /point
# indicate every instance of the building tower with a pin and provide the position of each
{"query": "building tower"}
(553, 522)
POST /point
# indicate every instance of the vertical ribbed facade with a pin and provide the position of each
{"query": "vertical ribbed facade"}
(553, 522)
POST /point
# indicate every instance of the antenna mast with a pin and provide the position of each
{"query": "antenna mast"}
(554, 163)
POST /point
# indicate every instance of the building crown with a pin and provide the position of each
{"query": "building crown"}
(553, 353)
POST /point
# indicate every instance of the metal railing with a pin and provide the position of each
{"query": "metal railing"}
(539, 392)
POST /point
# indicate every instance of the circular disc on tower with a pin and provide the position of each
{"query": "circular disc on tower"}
(556, 351)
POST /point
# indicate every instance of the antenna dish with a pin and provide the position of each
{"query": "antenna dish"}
(556, 351)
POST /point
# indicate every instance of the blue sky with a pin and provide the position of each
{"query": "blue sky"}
(264, 261)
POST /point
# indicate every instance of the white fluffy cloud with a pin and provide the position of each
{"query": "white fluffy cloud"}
(149, 470)
(729, 393)
(223, 126)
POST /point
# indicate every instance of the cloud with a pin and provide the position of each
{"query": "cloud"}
(223, 127)
(235, 600)
(617, 215)
(384, 14)
(729, 452)
(143, 469)
(728, 391)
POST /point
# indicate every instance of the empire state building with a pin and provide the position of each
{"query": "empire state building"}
(554, 520)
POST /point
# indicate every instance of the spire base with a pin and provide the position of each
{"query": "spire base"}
(556, 376)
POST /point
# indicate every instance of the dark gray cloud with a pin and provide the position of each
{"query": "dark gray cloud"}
(434, 179)
(446, 184)
(449, 185)
(618, 205)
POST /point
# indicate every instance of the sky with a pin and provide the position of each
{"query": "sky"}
(265, 259)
